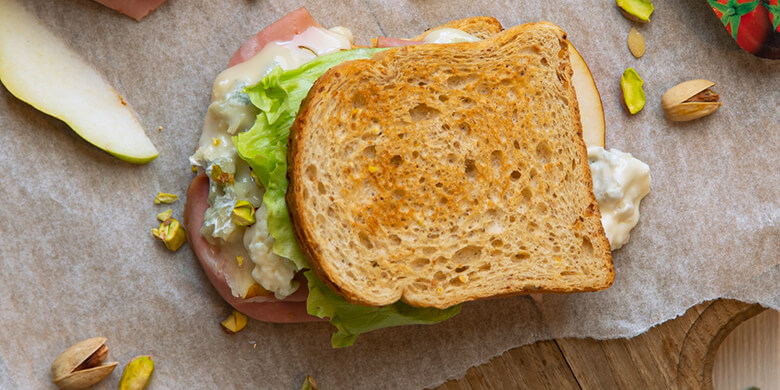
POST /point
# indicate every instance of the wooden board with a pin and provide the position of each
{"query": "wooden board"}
(678, 354)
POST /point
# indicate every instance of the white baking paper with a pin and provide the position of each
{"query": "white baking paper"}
(78, 259)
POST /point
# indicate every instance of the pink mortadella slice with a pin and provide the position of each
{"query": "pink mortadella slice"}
(283, 29)
(136, 9)
(267, 308)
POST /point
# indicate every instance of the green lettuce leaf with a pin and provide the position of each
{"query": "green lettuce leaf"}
(264, 147)
(278, 96)
(352, 320)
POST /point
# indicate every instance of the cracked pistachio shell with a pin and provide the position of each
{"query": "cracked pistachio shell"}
(691, 110)
(636, 43)
(137, 373)
(63, 370)
(636, 10)
(677, 109)
(632, 92)
(684, 91)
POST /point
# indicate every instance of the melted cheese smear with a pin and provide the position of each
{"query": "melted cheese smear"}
(230, 113)
(620, 181)
(449, 35)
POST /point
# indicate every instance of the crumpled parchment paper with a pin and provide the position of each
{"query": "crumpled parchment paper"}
(78, 259)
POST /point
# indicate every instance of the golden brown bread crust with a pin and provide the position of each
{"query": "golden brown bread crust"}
(371, 226)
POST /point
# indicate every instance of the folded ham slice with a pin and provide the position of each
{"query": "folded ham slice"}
(136, 9)
(283, 29)
(265, 308)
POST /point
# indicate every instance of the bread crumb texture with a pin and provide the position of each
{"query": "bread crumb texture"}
(439, 174)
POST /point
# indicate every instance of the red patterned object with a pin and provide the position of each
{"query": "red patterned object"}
(754, 24)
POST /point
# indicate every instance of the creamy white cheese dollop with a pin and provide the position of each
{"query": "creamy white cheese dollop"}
(273, 272)
(449, 35)
(620, 181)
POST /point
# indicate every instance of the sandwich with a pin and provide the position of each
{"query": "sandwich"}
(387, 185)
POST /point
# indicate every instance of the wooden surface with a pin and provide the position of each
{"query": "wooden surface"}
(678, 354)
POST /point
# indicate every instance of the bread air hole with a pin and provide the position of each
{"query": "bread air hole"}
(497, 160)
(471, 168)
(544, 152)
(369, 152)
(467, 102)
(527, 194)
(358, 100)
(365, 241)
(465, 127)
(396, 160)
(311, 172)
(423, 112)
(467, 254)
(587, 246)
(458, 82)
(520, 256)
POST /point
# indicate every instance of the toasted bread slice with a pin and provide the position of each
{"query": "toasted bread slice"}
(478, 26)
(439, 174)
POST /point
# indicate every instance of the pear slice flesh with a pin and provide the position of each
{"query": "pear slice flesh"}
(38, 67)
(589, 99)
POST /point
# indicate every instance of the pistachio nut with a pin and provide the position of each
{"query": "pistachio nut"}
(221, 177)
(690, 100)
(255, 290)
(309, 384)
(234, 323)
(82, 365)
(165, 198)
(164, 215)
(636, 10)
(171, 233)
(633, 96)
(137, 373)
(243, 213)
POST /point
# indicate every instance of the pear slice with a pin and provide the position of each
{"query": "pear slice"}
(589, 99)
(38, 67)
